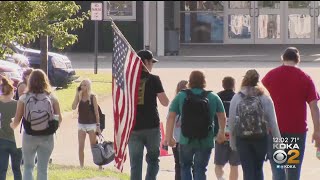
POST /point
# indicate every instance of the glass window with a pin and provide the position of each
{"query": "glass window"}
(120, 10)
(299, 26)
(269, 4)
(201, 6)
(201, 27)
(239, 26)
(269, 26)
(299, 4)
(239, 4)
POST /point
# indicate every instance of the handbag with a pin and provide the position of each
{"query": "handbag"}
(103, 152)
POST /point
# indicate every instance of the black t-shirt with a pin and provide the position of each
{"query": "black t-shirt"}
(147, 108)
(225, 96)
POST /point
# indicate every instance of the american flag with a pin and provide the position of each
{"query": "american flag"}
(126, 71)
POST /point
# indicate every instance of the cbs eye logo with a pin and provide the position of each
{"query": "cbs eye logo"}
(280, 156)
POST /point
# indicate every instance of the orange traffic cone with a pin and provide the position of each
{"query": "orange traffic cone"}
(163, 148)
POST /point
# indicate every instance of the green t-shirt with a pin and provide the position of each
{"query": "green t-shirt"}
(8, 111)
(215, 104)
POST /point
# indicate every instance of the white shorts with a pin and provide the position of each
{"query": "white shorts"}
(87, 127)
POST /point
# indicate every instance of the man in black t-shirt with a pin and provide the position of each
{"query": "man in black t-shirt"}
(146, 131)
(223, 152)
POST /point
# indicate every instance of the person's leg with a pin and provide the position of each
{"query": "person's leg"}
(93, 140)
(220, 159)
(44, 152)
(245, 151)
(234, 162)
(186, 153)
(294, 173)
(201, 160)
(277, 173)
(16, 156)
(81, 140)
(260, 151)
(153, 152)
(29, 146)
(4, 159)
(136, 147)
(175, 151)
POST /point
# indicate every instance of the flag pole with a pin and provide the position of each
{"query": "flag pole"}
(115, 27)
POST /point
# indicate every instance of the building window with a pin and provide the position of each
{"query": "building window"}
(201, 22)
(120, 10)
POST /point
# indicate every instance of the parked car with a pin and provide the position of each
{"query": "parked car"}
(60, 71)
(12, 71)
(20, 59)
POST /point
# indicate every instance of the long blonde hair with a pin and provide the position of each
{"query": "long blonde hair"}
(89, 90)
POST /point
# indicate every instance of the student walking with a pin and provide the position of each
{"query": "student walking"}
(22, 86)
(197, 108)
(251, 116)
(291, 90)
(88, 120)
(38, 128)
(176, 133)
(146, 131)
(223, 152)
(8, 147)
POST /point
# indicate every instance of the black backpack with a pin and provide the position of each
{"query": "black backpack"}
(195, 118)
(101, 115)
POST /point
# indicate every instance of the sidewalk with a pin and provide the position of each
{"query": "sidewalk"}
(220, 53)
(66, 145)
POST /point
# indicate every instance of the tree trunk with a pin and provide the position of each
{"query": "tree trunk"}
(44, 53)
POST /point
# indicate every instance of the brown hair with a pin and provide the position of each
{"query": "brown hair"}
(228, 82)
(251, 79)
(39, 82)
(181, 85)
(197, 80)
(26, 73)
(7, 86)
(291, 54)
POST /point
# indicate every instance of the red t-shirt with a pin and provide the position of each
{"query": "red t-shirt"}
(290, 89)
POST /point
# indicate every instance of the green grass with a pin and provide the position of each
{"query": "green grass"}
(61, 172)
(101, 86)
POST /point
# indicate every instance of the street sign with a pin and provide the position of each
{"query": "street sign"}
(96, 11)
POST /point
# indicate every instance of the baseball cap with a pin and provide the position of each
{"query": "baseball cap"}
(146, 54)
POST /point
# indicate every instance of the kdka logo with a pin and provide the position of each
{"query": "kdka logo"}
(286, 155)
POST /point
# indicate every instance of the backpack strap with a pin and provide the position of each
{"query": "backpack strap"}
(188, 92)
(205, 93)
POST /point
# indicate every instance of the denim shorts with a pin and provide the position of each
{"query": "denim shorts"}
(87, 127)
(223, 154)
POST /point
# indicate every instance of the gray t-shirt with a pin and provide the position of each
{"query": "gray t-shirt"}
(8, 111)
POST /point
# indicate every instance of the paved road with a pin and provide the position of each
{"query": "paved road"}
(66, 146)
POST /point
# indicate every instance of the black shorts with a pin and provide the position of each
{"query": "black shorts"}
(224, 154)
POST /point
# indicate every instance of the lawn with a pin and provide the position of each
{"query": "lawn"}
(101, 86)
(61, 172)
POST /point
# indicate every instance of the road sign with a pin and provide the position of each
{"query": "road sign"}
(96, 11)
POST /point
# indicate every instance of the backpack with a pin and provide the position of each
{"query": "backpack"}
(250, 122)
(101, 115)
(38, 115)
(102, 152)
(195, 116)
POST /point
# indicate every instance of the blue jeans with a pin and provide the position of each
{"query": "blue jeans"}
(8, 148)
(149, 138)
(43, 146)
(197, 157)
(287, 174)
(252, 154)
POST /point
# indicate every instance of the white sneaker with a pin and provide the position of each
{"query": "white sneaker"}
(221, 178)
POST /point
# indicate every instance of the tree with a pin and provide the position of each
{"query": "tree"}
(24, 21)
